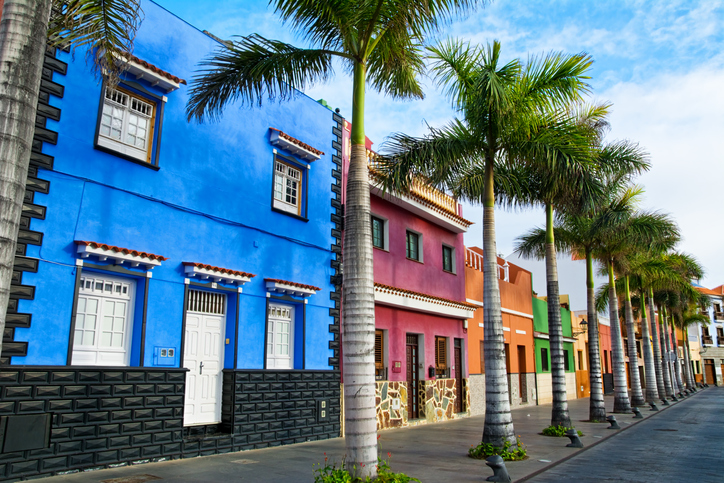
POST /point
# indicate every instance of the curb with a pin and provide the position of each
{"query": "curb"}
(573, 455)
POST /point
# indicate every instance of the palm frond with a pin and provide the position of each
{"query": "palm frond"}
(106, 28)
(394, 67)
(253, 68)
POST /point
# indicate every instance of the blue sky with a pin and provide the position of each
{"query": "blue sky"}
(661, 64)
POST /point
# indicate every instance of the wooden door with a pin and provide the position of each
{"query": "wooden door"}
(710, 372)
(412, 377)
(459, 389)
(203, 354)
(522, 370)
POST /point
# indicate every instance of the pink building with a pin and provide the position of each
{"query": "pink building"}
(420, 307)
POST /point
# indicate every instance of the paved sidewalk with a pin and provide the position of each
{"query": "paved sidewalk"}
(432, 453)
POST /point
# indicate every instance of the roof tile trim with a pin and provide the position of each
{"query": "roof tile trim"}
(424, 296)
(297, 141)
(153, 68)
(219, 269)
(293, 284)
(125, 251)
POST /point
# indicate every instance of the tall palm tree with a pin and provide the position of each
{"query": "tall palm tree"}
(506, 113)
(577, 230)
(105, 27)
(379, 42)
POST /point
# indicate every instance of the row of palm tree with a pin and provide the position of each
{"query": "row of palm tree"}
(522, 136)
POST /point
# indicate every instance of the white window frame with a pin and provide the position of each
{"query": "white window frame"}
(282, 204)
(273, 359)
(453, 261)
(420, 251)
(95, 354)
(113, 98)
(385, 232)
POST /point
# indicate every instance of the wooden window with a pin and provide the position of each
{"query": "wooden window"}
(287, 188)
(482, 357)
(206, 302)
(605, 361)
(566, 361)
(580, 360)
(378, 232)
(127, 124)
(413, 246)
(380, 370)
(544, 359)
(447, 259)
(705, 331)
(441, 356)
(638, 349)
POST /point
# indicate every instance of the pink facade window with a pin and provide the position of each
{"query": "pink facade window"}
(413, 246)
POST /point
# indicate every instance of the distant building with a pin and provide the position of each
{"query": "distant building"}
(711, 336)
(542, 349)
(581, 334)
(516, 294)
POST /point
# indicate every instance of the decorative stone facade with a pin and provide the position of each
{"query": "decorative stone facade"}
(436, 403)
(476, 392)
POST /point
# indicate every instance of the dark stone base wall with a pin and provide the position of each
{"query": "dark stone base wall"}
(99, 417)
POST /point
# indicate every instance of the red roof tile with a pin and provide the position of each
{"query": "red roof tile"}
(297, 142)
(293, 284)
(219, 269)
(439, 300)
(706, 291)
(719, 290)
(125, 251)
(155, 69)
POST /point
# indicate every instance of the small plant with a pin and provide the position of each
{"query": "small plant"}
(483, 450)
(558, 431)
(331, 473)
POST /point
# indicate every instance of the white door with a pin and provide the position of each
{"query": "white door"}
(280, 337)
(203, 356)
(103, 321)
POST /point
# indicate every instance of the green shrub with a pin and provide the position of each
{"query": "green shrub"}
(331, 473)
(483, 450)
(558, 431)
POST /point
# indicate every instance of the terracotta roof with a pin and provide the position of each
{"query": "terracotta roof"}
(431, 204)
(219, 269)
(293, 284)
(153, 68)
(125, 251)
(719, 290)
(424, 296)
(706, 291)
(297, 142)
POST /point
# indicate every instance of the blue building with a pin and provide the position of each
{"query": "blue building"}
(175, 290)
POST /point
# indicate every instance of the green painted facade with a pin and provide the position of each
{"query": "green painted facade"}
(540, 324)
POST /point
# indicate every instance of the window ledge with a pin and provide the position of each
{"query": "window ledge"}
(414, 260)
(448, 271)
(381, 249)
(126, 157)
(293, 215)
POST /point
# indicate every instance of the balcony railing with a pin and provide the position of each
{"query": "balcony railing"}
(707, 339)
(474, 260)
(423, 191)
(718, 315)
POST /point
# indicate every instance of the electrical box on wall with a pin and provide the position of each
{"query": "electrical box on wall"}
(164, 356)
(397, 366)
(322, 410)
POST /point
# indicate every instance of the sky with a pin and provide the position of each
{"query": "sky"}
(660, 64)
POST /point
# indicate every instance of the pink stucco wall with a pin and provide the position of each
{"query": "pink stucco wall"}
(393, 268)
(399, 323)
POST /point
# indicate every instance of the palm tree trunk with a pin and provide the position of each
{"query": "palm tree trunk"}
(666, 349)
(621, 403)
(597, 406)
(498, 428)
(23, 35)
(652, 391)
(637, 396)
(675, 350)
(687, 360)
(657, 348)
(559, 413)
(358, 340)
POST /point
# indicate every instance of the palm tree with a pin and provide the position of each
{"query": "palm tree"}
(577, 230)
(506, 114)
(379, 42)
(105, 28)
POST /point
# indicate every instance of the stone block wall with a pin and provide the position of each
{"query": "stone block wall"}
(387, 417)
(438, 401)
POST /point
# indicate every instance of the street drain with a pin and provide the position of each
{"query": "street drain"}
(245, 462)
(666, 429)
(132, 479)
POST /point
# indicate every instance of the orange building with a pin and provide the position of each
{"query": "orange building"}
(516, 295)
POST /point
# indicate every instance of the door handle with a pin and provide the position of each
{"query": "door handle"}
(201, 367)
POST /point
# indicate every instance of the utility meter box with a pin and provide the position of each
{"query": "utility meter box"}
(164, 356)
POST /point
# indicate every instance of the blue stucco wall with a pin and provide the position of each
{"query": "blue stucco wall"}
(209, 202)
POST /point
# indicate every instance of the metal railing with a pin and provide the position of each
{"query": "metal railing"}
(707, 339)
(474, 260)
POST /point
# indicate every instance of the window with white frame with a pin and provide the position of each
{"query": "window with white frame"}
(379, 232)
(280, 337)
(126, 124)
(103, 321)
(287, 188)
(448, 258)
(413, 245)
